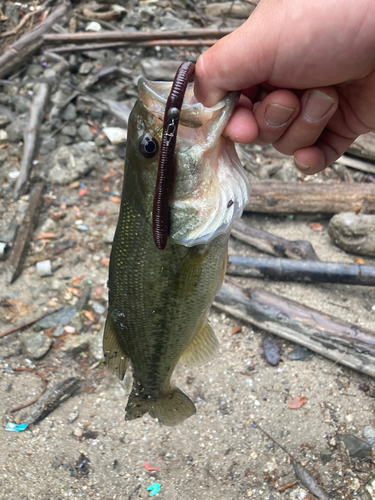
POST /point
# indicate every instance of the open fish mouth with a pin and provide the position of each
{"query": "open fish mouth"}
(210, 187)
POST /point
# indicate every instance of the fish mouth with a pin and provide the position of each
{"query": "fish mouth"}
(210, 188)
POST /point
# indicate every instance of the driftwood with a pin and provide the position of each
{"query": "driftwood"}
(283, 198)
(29, 43)
(362, 165)
(338, 340)
(355, 233)
(37, 112)
(52, 399)
(296, 270)
(150, 43)
(364, 146)
(21, 244)
(269, 243)
(134, 36)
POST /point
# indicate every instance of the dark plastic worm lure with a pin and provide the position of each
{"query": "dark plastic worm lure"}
(160, 215)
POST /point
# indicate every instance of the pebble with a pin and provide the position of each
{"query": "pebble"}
(85, 68)
(35, 344)
(98, 307)
(109, 154)
(75, 344)
(72, 416)
(3, 137)
(170, 23)
(4, 121)
(69, 112)
(16, 129)
(21, 103)
(85, 133)
(78, 432)
(326, 456)
(101, 142)
(47, 145)
(69, 129)
(357, 447)
(299, 353)
(369, 433)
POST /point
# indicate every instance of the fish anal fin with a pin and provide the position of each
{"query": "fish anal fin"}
(114, 355)
(202, 348)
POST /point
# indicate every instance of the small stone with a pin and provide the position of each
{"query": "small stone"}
(85, 68)
(109, 234)
(98, 307)
(21, 103)
(170, 23)
(34, 70)
(78, 432)
(35, 344)
(369, 433)
(134, 19)
(96, 114)
(15, 150)
(101, 142)
(47, 145)
(75, 344)
(68, 163)
(93, 26)
(69, 129)
(326, 456)
(65, 140)
(109, 154)
(69, 112)
(85, 133)
(299, 353)
(357, 447)
(56, 464)
(3, 137)
(16, 129)
(72, 416)
(59, 330)
(96, 348)
(4, 121)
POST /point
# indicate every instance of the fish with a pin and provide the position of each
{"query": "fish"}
(159, 299)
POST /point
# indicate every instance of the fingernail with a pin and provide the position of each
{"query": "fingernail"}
(302, 166)
(276, 115)
(317, 105)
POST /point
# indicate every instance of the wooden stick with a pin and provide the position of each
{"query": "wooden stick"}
(24, 20)
(269, 243)
(16, 328)
(338, 340)
(151, 43)
(31, 135)
(29, 43)
(283, 198)
(21, 244)
(305, 271)
(127, 36)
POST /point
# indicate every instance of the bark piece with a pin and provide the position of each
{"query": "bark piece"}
(21, 244)
(283, 198)
(338, 340)
(305, 271)
(31, 135)
(272, 244)
(29, 43)
(355, 233)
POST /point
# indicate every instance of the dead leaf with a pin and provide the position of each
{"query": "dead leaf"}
(286, 486)
(74, 281)
(316, 226)
(88, 315)
(14, 309)
(359, 260)
(236, 329)
(115, 199)
(297, 403)
(105, 261)
(46, 236)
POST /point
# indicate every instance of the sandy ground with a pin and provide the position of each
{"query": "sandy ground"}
(215, 454)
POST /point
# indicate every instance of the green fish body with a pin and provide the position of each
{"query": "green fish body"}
(159, 299)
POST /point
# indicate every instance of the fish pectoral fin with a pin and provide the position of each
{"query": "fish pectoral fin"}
(202, 348)
(114, 355)
(189, 273)
(173, 408)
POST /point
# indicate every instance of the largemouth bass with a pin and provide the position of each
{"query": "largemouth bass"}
(158, 299)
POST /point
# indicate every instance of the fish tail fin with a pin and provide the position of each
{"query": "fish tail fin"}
(170, 409)
(114, 354)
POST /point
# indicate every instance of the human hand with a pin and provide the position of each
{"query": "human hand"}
(307, 74)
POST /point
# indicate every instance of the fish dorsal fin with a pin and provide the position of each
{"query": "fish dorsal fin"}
(114, 355)
(202, 348)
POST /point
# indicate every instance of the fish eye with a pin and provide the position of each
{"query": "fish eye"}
(149, 146)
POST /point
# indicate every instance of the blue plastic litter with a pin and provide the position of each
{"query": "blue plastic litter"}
(14, 427)
(84, 228)
(154, 489)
